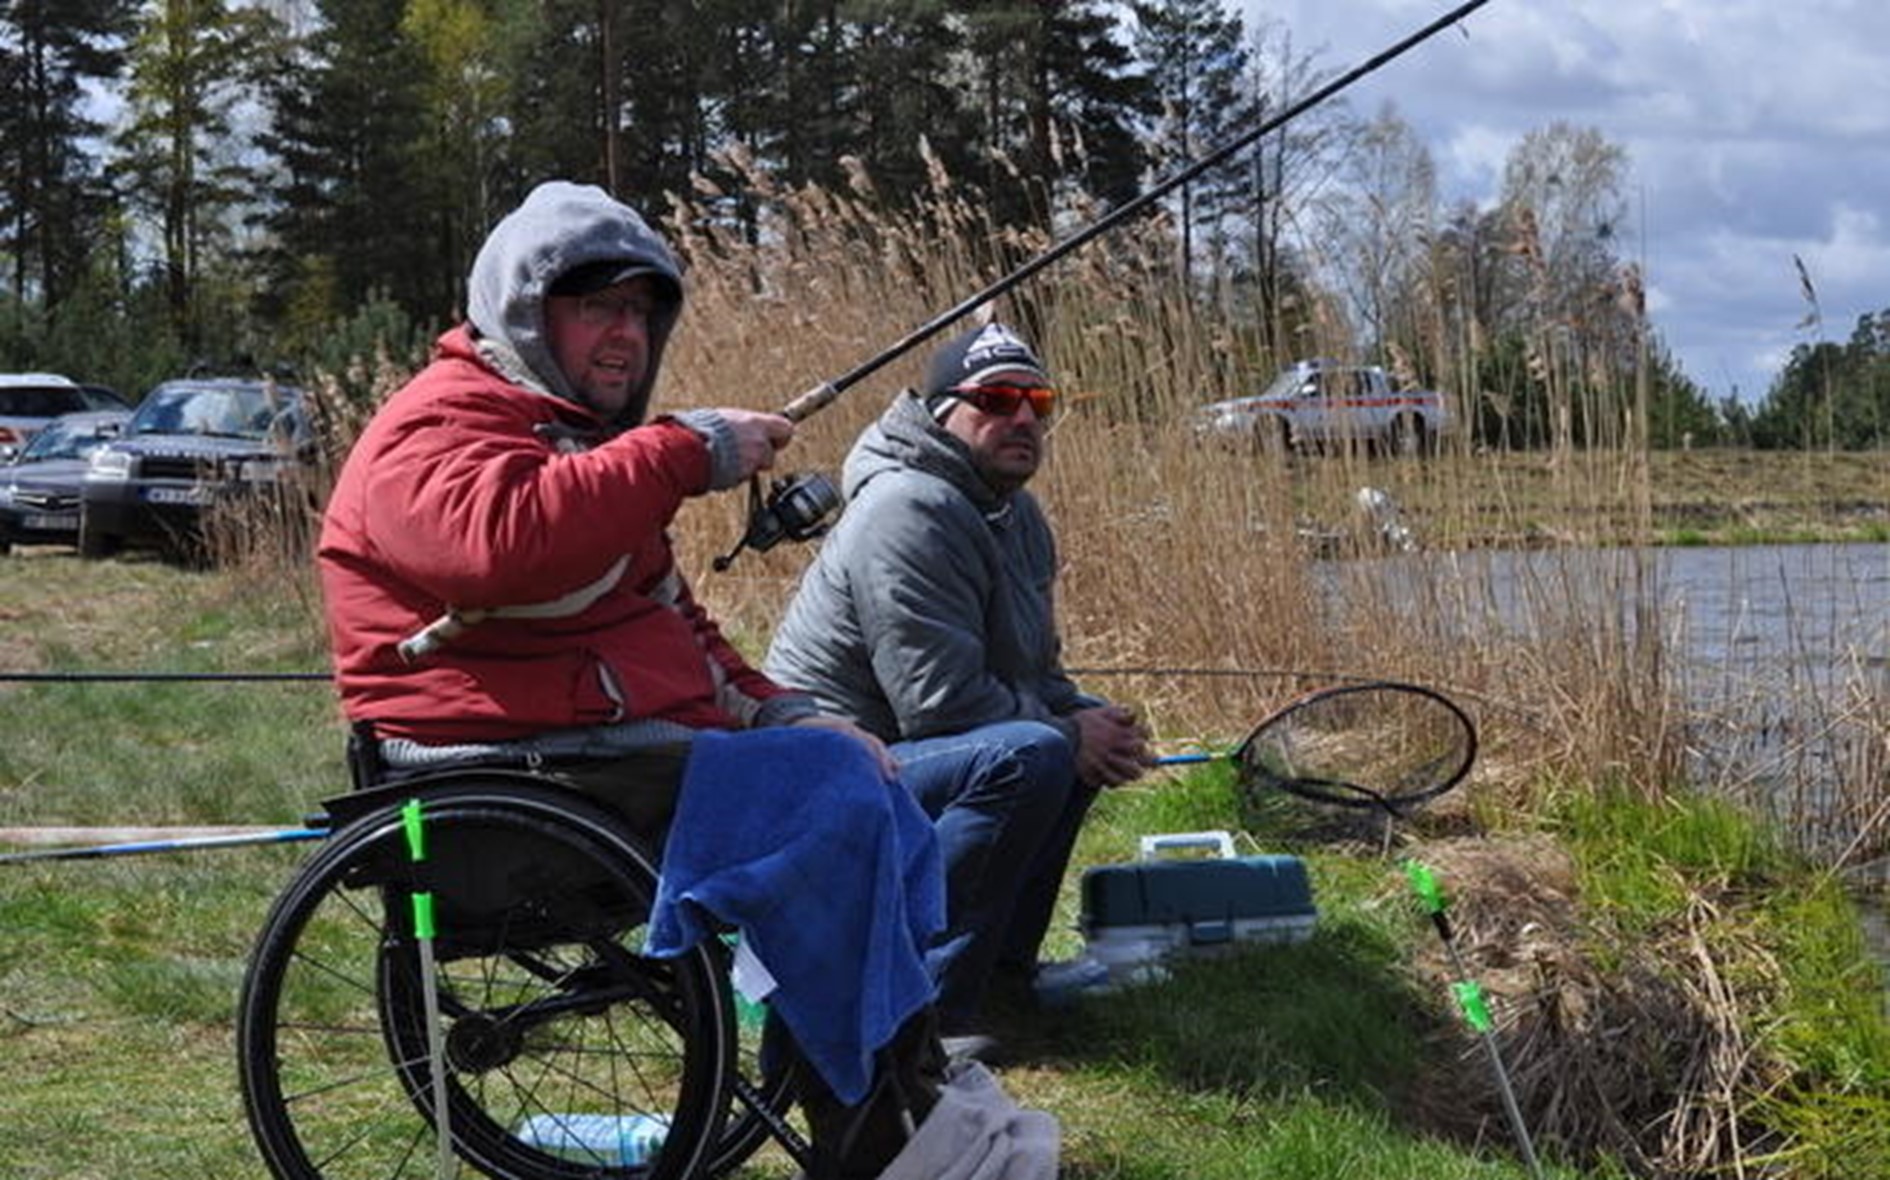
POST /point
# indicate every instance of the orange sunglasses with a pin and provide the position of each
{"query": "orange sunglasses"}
(1001, 399)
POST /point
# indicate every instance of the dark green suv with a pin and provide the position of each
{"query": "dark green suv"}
(191, 444)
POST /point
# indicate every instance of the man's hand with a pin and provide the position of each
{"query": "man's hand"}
(758, 436)
(1114, 747)
(888, 766)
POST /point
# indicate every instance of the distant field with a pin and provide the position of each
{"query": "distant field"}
(1684, 497)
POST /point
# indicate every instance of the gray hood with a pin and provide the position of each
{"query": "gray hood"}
(906, 436)
(561, 226)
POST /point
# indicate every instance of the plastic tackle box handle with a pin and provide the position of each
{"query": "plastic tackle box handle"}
(1221, 842)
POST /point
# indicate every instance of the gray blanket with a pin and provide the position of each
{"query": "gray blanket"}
(977, 1133)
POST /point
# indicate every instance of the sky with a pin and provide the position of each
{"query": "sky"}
(1754, 132)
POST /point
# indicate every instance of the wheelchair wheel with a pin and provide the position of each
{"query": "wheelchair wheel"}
(763, 1102)
(550, 1013)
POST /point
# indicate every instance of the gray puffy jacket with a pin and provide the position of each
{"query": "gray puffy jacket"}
(929, 608)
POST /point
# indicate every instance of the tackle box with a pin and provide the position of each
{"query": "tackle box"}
(1138, 913)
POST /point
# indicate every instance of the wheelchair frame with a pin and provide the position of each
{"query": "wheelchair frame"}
(551, 1011)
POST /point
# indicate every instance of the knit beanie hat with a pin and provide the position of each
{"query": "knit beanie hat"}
(974, 355)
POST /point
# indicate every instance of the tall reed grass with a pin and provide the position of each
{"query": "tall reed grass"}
(1177, 554)
(1210, 568)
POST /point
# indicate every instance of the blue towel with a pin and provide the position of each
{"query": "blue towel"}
(831, 873)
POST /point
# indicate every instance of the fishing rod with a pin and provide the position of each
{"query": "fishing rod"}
(797, 507)
(241, 838)
(821, 395)
(413, 823)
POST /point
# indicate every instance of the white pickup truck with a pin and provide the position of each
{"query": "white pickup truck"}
(1318, 402)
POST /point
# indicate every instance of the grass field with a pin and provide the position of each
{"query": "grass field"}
(1595, 925)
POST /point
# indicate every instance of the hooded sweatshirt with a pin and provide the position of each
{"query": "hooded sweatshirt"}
(485, 483)
(929, 609)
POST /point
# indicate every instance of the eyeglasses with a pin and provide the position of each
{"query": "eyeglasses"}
(1001, 399)
(601, 308)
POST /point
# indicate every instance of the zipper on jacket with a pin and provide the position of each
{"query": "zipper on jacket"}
(607, 681)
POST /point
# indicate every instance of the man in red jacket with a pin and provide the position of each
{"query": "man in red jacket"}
(496, 566)
(515, 482)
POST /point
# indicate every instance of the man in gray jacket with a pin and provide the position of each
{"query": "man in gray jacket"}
(928, 619)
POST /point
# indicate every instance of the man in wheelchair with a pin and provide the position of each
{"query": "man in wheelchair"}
(500, 589)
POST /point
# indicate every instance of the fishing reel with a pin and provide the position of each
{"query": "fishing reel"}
(796, 508)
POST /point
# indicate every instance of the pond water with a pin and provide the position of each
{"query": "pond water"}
(1819, 609)
(1767, 640)
(1784, 658)
(1813, 608)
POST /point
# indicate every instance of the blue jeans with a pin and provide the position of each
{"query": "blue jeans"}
(1006, 804)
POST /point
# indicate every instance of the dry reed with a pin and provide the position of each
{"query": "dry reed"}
(1176, 554)
(1646, 1059)
(1205, 562)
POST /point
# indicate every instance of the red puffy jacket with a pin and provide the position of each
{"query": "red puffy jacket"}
(459, 495)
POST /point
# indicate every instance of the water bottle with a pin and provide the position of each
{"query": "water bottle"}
(750, 1017)
(603, 1140)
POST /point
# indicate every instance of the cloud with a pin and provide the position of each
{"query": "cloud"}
(1755, 131)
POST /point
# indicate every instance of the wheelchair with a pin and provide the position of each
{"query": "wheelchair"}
(548, 1011)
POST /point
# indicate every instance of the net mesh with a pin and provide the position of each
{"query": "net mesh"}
(1369, 745)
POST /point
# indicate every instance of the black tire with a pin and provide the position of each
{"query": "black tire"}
(93, 543)
(772, 1091)
(541, 901)
(1273, 437)
(1409, 439)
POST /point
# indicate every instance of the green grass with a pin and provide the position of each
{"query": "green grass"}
(1294, 1060)
(159, 753)
(1642, 858)
(1825, 1023)
(118, 978)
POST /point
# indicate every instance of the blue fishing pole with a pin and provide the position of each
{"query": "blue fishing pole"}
(239, 839)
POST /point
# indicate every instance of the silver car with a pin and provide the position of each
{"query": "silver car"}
(41, 487)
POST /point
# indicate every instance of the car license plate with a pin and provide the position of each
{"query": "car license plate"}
(50, 522)
(195, 494)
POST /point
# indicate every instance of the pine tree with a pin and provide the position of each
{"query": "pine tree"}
(553, 65)
(905, 54)
(351, 216)
(192, 62)
(52, 198)
(867, 81)
(1058, 104)
(1197, 67)
(663, 54)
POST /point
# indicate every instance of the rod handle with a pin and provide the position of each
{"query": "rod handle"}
(807, 404)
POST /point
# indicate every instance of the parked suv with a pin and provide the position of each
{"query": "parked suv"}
(191, 444)
(30, 400)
